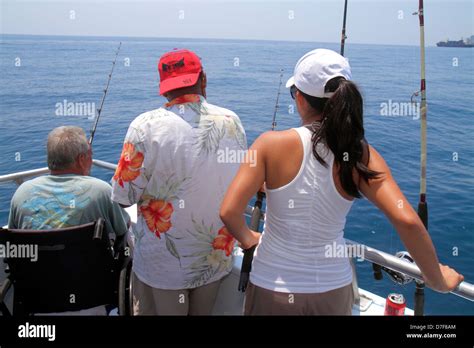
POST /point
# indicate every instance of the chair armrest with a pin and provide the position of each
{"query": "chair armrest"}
(6, 285)
(99, 229)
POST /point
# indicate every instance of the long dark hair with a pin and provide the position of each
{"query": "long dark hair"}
(342, 131)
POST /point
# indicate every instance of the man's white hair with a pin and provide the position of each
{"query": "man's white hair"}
(65, 144)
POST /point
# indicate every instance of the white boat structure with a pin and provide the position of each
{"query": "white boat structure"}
(230, 301)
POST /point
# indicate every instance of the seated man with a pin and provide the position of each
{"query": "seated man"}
(68, 196)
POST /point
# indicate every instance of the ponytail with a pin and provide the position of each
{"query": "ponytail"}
(342, 131)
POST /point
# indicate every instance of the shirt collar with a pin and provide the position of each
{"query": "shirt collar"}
(186, 98)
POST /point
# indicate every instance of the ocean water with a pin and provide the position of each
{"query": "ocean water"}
(37, 72)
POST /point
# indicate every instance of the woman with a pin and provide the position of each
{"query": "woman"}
(312, 175)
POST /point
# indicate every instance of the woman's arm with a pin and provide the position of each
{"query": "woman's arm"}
(248, 180)
(387, 196)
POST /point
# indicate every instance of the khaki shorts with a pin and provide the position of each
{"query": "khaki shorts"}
(151, 301)
(260, 301)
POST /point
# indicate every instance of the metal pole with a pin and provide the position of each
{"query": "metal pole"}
(465, 289)
(343, 34)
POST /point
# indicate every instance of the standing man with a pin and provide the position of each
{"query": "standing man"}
(176, 164)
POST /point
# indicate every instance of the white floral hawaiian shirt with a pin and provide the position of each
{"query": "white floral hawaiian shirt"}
(176, 164)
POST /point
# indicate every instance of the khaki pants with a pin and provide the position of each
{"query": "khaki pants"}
(260, 301)
(151, 301)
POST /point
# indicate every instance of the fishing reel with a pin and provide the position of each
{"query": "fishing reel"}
(403, 279)
(397, 277)
(413, 96)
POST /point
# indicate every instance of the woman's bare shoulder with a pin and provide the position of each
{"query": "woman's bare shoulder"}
(275, 138)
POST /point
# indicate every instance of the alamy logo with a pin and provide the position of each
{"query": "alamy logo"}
(237, 156)
(342, 250)
(23, 251)
(67, 108)
(37, 331)
(392, 108)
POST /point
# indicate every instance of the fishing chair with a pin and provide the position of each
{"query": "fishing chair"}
(76, 268)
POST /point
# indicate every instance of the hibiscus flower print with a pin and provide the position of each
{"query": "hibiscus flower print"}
(215, 258)
(224, 241)
(128, 168)
(157, 214)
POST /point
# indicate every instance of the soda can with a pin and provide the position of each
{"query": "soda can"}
(395, 304)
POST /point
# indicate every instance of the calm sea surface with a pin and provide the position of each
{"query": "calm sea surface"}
(36, 73)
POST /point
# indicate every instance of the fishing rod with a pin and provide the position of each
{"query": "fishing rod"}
(99, 110)
(248, 253)
(422, 204)
(377, 269)
(256, 215)
(257, 211)
(343, 34)
(277, 100)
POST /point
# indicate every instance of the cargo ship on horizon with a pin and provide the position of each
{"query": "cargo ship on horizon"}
(459, 43)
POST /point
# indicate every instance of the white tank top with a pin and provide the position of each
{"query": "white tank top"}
(303, 230)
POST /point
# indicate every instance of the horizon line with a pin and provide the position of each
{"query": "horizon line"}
(207, 38)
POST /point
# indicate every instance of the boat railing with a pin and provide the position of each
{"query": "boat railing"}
(20, 177)
(464, 289)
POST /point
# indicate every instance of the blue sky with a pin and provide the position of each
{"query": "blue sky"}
(368, 21)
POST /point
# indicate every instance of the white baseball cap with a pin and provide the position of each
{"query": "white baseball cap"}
(315, 69)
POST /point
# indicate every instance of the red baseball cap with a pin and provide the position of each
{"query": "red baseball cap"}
(178, 69)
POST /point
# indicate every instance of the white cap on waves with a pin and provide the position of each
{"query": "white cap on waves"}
(315, 69)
